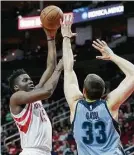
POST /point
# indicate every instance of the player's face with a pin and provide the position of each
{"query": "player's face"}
(24, 83)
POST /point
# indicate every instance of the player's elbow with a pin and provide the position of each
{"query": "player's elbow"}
(131, 80)
(50, 90)
(49, 93)
(130, 74)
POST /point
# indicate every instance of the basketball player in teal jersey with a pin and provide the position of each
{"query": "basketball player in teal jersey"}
(94, 120)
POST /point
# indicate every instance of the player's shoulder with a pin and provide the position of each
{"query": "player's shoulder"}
(80, 101)
(15, 97)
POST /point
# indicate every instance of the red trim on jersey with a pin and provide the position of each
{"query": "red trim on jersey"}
(24, 128)
(24, 115)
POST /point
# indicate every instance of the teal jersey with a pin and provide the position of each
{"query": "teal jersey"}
(94, 129)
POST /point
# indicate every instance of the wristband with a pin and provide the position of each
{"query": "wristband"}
(57, 70)
(66, 37)
(50, 39)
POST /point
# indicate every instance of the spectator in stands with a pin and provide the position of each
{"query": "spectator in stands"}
(121, 114)
(63, 135)
(12, 149)
(3, 136)
(126, 133)
(8, 117)
(56, 146)
(120, 121)
(60, 153)
(131, 141)
(64, 145)
(55, 136)
(70, 151)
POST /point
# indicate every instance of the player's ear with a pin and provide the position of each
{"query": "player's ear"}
(16, 87)
(103, 91)
(84, 92)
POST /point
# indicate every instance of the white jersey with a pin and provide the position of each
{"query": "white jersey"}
(34, 127)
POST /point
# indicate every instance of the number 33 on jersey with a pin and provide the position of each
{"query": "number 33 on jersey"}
(94, 129)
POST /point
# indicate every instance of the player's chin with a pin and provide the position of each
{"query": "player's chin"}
(31, 88)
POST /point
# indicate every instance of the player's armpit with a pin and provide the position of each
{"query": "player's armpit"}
(72, 94)
(71, 89)
(22, 97)
(120, 94)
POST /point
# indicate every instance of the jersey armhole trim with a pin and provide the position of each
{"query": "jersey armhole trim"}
(109, 111)
(75, 115)
(21, 113)
(115, 123)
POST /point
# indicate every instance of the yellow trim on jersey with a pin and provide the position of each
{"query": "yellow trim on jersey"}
(107, 102)
(88, 100)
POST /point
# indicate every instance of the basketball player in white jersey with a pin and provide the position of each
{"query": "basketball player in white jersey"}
(25, 104)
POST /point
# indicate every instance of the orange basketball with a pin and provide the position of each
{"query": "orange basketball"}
(50, 17)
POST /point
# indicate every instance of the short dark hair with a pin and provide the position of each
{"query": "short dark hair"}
(13, 76)
(94, 86)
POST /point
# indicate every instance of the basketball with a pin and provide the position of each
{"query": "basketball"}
(50, 17)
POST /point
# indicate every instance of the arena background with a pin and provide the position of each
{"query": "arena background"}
(25, 47)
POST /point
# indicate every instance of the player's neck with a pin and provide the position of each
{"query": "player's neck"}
(88, 100)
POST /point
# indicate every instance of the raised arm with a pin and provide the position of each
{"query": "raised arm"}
(71, 88)
(51, 58)
(53, 80)
(22, 97)
(126, 87)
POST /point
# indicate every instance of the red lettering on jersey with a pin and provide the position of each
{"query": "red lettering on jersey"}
(37, 105)
(42, 115)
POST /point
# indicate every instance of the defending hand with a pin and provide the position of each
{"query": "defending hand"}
(66, 26)
(103, 48)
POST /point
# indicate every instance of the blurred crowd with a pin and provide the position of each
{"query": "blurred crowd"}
(84, 51)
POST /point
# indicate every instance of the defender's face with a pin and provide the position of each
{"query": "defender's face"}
(24, 83)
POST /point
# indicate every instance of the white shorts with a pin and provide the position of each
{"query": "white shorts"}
(34, 152)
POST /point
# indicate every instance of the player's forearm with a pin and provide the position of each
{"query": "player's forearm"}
(51, 58)
(51, 63)
(68, 59)
(53, 81)
(126, 66)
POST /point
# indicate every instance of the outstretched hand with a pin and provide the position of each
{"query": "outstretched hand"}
(66, 25)
(103, 48)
